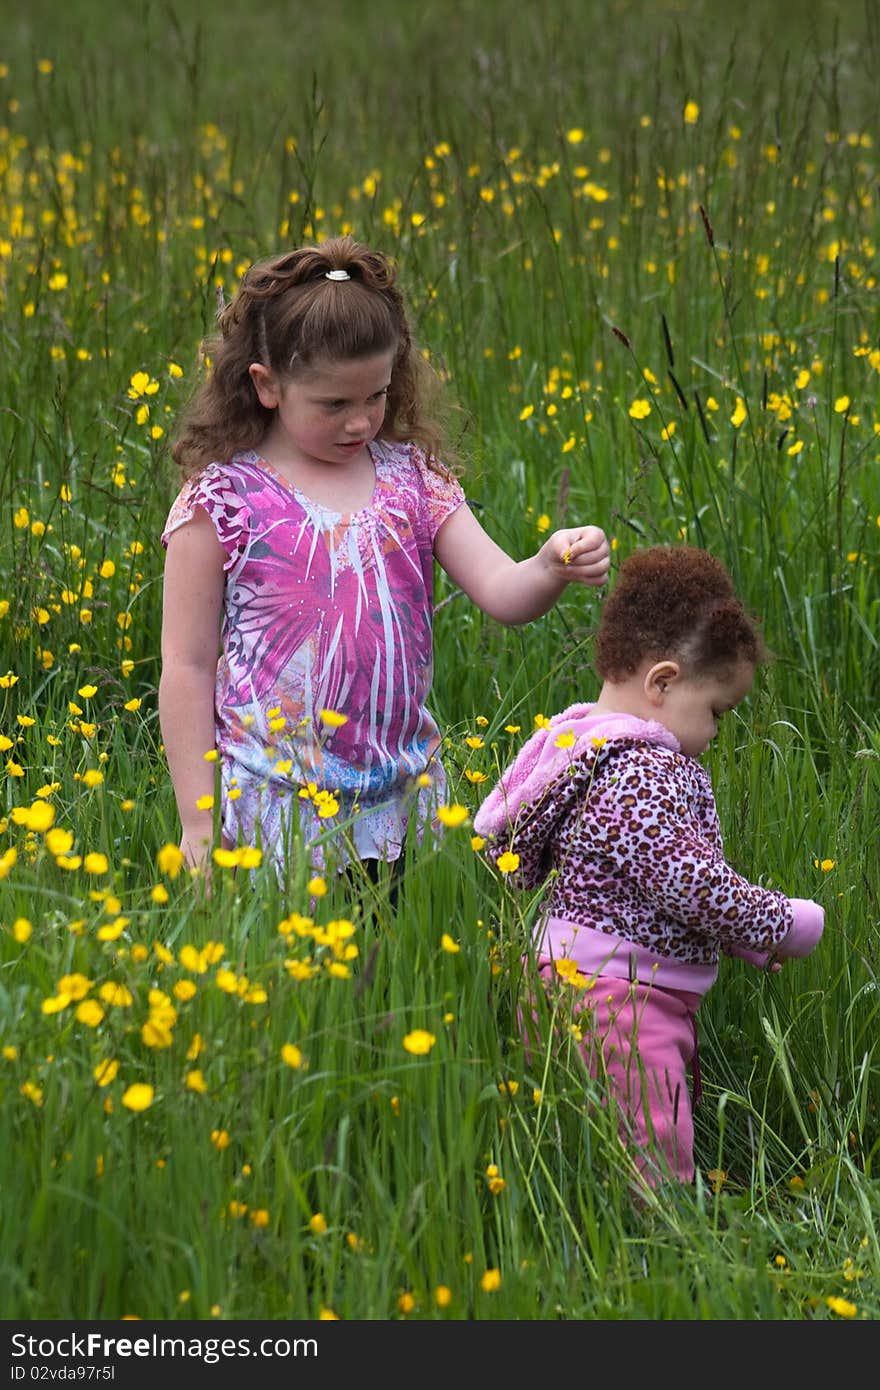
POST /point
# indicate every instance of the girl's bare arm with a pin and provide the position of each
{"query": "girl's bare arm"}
(516, 591)
(192, 602)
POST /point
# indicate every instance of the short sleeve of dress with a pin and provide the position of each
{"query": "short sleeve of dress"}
(443, 494)
(214, 490)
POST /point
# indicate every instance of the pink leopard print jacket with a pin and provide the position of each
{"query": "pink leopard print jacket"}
(627, 837)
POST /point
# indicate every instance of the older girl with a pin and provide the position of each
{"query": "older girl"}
(303, 542)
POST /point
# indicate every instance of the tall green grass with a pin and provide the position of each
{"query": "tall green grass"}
(655, 316)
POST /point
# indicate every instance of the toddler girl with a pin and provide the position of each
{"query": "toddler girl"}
(302, 544)
(610, 803)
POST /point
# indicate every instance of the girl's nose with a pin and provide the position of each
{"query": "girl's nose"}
(357, 423)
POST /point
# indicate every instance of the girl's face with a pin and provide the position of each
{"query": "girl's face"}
(690, 707)
(329, 411)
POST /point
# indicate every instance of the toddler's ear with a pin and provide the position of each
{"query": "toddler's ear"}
(658, 678)
(265, 385)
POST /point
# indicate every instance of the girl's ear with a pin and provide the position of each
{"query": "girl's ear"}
(658, 680)
(265, 385)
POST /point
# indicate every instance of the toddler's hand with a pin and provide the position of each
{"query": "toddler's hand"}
(579, 555)
(763, 960)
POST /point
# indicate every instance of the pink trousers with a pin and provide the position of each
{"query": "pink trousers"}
(640, 1041)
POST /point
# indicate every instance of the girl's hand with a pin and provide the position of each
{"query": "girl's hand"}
(580, 555)
(198, 855)
(196, 850)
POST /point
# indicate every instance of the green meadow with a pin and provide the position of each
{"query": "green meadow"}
(640, 245)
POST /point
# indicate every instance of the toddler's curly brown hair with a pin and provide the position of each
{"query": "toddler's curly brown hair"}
(677, 602)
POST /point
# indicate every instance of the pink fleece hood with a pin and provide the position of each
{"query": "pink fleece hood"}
(577, 732)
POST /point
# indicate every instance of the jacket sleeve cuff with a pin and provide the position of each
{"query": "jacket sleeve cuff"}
(806, 929)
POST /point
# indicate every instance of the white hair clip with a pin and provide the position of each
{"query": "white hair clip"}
(337, 275)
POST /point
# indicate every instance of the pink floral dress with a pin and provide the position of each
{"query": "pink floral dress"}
(325, 612)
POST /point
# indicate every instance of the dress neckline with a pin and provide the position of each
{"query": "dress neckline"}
(255, 459)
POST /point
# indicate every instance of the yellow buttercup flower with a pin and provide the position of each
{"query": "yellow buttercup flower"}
(21, 930)
(138, 1096)
(842, 1306)
(56, 1004)
(76, 985)
(116, 994)
(90, 1013)
(419, 1042)
(59, 841)
(332, 718)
